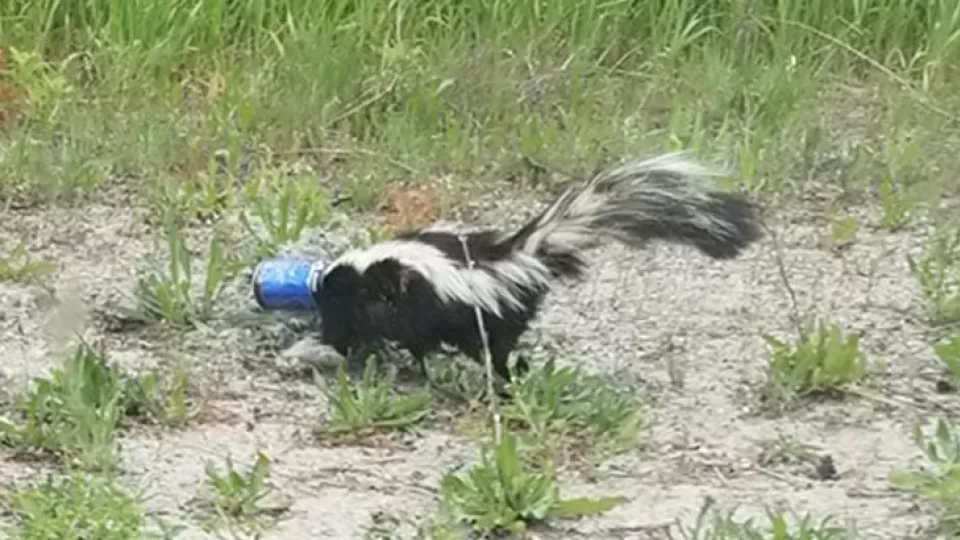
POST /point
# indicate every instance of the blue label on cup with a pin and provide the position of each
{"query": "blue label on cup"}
(286, 284)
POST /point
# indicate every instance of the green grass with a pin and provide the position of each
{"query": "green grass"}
(18, 267)
(937, 272)
(562, 415)
(947, 352)
(376, 92)
(283, 209)
(240, 500)
(713, 523)
(500, 494)
(570, 415)
(75, 507)
(173, 295)
(203, 200)
(937, 481)
(76, 412)
(370, 405)
(822, 360)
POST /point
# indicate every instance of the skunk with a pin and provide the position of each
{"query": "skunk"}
(420, 289)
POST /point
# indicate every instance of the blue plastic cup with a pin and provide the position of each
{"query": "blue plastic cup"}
(287, 284)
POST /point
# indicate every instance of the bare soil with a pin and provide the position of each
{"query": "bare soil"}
(684, 329)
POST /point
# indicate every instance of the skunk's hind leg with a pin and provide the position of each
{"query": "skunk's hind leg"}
(420, 357)
(501, 347)
(502, 340)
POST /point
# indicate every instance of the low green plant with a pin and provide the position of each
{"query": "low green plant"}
(938, 479)
(371, 405)
(76, 411)
(556, 404)
(243, 499)
(169, 296)
(715, 524)
(785, 450)
(843, 231)
(896, 206)
(499, 495)
(948, 352)
(203, 199)
(46, 86)
(822, 360)
(16, 266)
(163, 398)
(76, 507)
(937, 272)
(284, 208)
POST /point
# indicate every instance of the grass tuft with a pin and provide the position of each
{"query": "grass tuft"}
(938, 480)
(171, 296)
(17, 267)
(370, 405)
(823, 360)
(716, 524)
(499, 495)
(572, 415)
(284, 207)
(948, 352)
(243, 500)
(75, 507)
(76, 411)
(937, 272)
(203, 199)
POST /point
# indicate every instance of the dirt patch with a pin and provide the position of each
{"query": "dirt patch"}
(684, 328)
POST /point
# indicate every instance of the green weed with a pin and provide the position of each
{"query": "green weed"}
(714, 524)
(76, 411)
(44, 85)
(171, 296)
(76, 507)
(372, 404)
(843, 231)
(162, 397)
(897, 207)
(822, 360)
(284, 208)
(938, 481)
(785, 450)
(242, 499)
(499, 495)
(937, 272)
(18, 267)
(948, 352)
(569, 411)
(204, 199)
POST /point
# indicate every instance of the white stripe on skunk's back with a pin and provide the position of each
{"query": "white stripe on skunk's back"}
(486, 285)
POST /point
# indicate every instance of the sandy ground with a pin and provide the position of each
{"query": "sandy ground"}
(641, 313)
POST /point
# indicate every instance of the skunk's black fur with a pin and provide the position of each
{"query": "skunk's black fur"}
(419, 290)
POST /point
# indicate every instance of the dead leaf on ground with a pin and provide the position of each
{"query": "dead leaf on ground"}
(11, 97)
(409, 207)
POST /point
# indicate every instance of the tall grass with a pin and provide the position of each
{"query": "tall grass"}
(921, 31)
(451, 84)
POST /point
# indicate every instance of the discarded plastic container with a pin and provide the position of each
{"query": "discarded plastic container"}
(287, 284)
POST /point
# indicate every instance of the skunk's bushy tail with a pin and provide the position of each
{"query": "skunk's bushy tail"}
(662, 198)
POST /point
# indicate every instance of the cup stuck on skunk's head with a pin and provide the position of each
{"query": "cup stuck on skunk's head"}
(287, 284)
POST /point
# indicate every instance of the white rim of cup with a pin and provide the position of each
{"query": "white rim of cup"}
(316, 269)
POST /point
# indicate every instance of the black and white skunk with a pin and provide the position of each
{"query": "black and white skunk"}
(419, 291)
